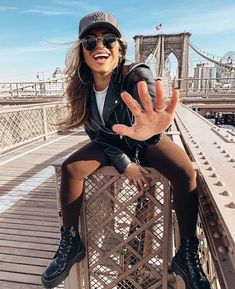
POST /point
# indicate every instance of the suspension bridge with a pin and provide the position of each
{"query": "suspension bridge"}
(30, 143)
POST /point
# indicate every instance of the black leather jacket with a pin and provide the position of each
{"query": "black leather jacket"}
(120, 150)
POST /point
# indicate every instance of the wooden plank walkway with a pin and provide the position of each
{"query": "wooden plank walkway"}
(29, 228)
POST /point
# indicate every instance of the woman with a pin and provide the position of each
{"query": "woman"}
(125, 132)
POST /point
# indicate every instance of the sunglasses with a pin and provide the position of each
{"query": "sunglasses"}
(90, 41)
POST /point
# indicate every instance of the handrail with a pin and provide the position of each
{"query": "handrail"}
(219, 240)
(207, 87)
(20, 125)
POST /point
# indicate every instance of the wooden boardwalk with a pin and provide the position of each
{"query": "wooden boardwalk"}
(29, 228)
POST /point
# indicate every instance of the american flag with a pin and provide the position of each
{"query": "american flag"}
(159, 27)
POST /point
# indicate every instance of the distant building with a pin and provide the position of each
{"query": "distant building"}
(54, 86)
(58, 73)
(205, 75)
(227, 76)
(190, 83)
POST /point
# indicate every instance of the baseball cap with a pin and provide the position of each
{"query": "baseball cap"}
(98, 19)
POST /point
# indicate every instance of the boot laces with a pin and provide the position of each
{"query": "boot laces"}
(193, 259)
(64, 247)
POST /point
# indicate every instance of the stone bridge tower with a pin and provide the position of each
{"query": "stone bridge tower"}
(161, 46)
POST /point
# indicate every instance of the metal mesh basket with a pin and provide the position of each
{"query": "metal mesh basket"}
(126, 232)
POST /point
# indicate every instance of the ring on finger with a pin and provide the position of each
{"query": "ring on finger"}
(160, 110)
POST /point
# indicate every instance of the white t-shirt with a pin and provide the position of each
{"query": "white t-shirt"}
(100, 98)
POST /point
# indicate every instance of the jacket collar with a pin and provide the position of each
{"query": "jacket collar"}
(112, 99)
(94, 113)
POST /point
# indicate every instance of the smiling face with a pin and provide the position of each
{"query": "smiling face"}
(102, 60)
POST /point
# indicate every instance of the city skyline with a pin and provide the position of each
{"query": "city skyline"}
(34, 37)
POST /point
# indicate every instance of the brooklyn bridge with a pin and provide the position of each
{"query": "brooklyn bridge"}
(128, 245)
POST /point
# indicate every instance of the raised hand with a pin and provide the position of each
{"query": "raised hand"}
(151, 119)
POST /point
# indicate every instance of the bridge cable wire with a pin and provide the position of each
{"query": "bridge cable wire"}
(202, 54)
(155, 52)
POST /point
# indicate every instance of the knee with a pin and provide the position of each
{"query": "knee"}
(186, 178)
(190, 173)
(72, 170)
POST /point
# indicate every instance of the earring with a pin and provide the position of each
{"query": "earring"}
(79, 76)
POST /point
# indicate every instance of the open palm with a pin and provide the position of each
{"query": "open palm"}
(149, 119)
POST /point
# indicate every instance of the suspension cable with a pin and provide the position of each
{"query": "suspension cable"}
(154, 52)
(202, 54)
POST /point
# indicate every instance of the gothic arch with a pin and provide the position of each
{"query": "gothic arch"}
(172, 59)
(162, 45)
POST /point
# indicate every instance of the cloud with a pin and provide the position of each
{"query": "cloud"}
(198, 21)
(19, 63)
(7, 8)
(78, 4)
(48, 10)
(61, 8)
(217, 21)
(9, 54)
(61, 41)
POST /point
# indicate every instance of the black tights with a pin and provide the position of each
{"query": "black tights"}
(165, 156)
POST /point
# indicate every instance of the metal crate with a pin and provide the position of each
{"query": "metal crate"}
(127, 233)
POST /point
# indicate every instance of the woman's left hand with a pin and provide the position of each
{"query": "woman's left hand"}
(149, 120)
(136, 176)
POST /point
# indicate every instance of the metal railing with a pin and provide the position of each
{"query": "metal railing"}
(217, 245)
(24, 124)
(52, 87)
(207, 86)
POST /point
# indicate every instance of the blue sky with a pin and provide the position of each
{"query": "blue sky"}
(29, 30)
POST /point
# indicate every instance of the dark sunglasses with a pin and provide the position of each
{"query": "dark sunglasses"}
(90, 41)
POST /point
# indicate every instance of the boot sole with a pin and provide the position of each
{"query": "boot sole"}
(55, 282)
(178, 271)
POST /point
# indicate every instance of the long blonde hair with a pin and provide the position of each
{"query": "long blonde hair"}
(79, 78)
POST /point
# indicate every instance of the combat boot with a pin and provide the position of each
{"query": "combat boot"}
(186, 263)
(70, 251)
